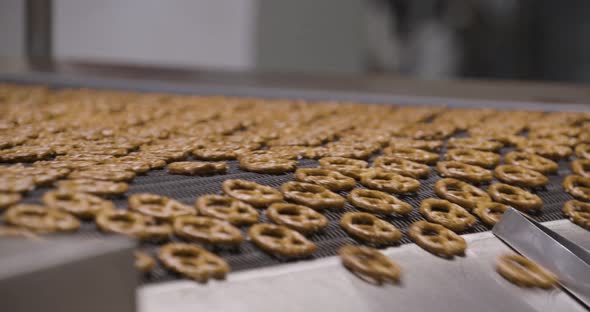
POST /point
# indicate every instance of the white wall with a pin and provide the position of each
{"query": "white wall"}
(210, 33)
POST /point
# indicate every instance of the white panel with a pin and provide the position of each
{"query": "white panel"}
(12, 32)
(210, 33)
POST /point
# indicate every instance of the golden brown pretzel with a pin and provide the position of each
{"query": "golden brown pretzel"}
(10, 183)
(369, 263)
(490, 212)
(82, 205)
(297, 217)
(225, 151)
(473, 157)
(402, 166)
(143, 262)
(412, 154)
(475, 143)
(9, 199)
(226, 208)
(255, 194)
(520, 176)
(581, 167)
(378, 202)
(524, 272)
(544, 148)
(330, 179)
(388, 181)
(193, 261)
(207, 230)
(369, 228)
(102, 174)
(583, 150)
(460, 193)
(131, 224)
(95, 187)
(515, 197)
(25, 153)
(578, 187)
(197, 167)
(266, 163)
(280, 240)
(312, 195)
(447, 214)
(428, 145)
(437, 239)
(578, 212)
(531, 161)
(347, 166)
(463, 171)
(159, 207)
(40, 219)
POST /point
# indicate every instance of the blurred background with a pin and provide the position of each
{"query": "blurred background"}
(425, 39)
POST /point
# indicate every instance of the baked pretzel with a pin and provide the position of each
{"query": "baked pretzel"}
(280, 240)
(578, 212)
(131, 224)
(197, 167)
(226, 208)
(463, 171)
(413, 154)
(40, 219)
(224, 151)
(347, 166)
(490, 212)
(583, 150)
(193, 262)
(9, 199)
(378, 202)
(250, 192)
(207, 230)
(159, 207)
(266, 163)
(41, 176)
(369, 263)
(460, 193)
(524, 272)
(388, 181)
(25, 153)
(10, 183)
(428, 145)
(402, 166)
(520, 176)
(369, 228)
(475, 143)
(297, 217)
(578, 187)
(16, 231)
(104, 175)
(531, 161)
(95, 187)
(581, 167)
(437, 239)
(82, 205)
(447, 214)
(544, 148)
(332, 180)
(473, 157)
(144, 263)
(312, 195)
(515, 197)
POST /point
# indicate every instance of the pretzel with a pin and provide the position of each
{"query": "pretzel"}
(226, 208)
(531, 161)
(143, 262)
(346, 166)
(578, 212)
(101, 174)
(378, 202)
(207, 230)
(131, 224)
(578, 187)
(155, 229)
(413, 154)
(10, 183)
(583, 150)
(515, 197)
(388, 181)
(581, 167)
(402, 166)
(524, 272)
(447, 214)
(369, 228)
(297, 217)
(369, 263)
(9, 199)
(428, 145)
(347, 151)
(197, 167)
(520, 176)
(81, 205)
(460, 193)
(280, 240)
(437, 239)
(544, 148)
(266, 163)
(250, 192)
(490, 212)
(159, 207)
(18, 232)
(475, 143)
(429, 131)
(40, 219)
(462, 171)
(95, 187)
(193, 262)
(314, 196)
(25, 153)
(225, 151)
(41, 176)
(332, 180)
(473, 157)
